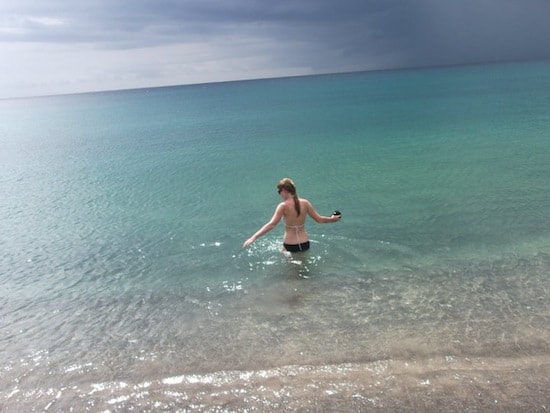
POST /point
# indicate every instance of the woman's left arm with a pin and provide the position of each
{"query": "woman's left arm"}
(320, 218)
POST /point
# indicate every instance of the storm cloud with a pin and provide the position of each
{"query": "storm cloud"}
(61, 46)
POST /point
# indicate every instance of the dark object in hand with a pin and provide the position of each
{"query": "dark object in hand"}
(336, 213)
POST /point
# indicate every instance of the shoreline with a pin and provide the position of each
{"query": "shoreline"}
(434, 384)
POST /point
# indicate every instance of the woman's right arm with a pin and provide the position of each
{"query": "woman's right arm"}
(268, 226)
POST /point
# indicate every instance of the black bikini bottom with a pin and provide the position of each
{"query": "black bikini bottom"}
(304, 246)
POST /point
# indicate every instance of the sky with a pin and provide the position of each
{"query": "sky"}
(71, 46)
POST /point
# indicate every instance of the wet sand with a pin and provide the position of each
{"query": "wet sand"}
(430, 385)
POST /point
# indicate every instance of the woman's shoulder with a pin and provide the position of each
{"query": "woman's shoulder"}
(281, 206)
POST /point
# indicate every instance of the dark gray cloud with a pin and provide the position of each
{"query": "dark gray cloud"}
(309, 36)
(474, 31)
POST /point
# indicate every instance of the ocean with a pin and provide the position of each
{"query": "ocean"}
(125, 286)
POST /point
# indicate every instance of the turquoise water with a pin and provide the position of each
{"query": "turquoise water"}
(124, 284)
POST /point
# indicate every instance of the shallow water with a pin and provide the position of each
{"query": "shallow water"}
(458, 337)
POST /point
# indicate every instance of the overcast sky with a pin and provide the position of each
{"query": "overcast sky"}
(68, 46)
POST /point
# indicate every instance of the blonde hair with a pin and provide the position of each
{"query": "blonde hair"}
(288, 185)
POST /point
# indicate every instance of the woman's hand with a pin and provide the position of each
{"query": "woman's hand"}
(335, 218)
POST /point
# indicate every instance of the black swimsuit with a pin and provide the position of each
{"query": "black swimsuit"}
(304, 246)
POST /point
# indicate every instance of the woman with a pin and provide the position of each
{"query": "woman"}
(293, 210)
